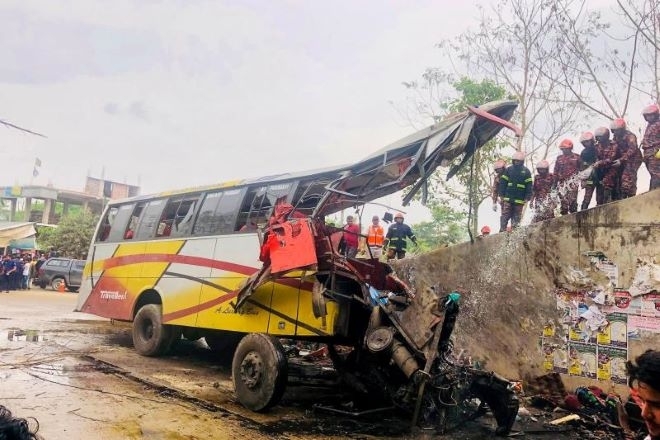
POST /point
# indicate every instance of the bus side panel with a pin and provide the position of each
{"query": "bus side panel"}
(93, 270)
(284, 307)
(113, 265)
(181, 282)
(251, 318)
(235, 259)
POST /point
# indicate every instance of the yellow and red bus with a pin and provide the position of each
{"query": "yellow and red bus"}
(188, 262)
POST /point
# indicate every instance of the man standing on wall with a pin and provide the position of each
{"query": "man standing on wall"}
(651, 144)
(589, 157)
(608, 163)
(631, 158)
(567, 166)
(542, 201)
(515, 190)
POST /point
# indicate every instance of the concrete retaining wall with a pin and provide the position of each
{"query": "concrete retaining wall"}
(539, 280)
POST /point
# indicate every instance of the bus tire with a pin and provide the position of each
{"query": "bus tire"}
(150, 336)
(259, 371)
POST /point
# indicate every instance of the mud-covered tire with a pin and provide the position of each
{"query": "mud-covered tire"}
(150, 336)
(259, 371)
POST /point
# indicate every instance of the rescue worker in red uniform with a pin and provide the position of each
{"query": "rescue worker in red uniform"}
(541, 193)
(607, 165)
(515, 189)
(568, 165)
(589, 156)
(651, 144)
(499, 166)
(631, 158)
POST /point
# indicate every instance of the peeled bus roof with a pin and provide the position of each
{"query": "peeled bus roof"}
(447, 139)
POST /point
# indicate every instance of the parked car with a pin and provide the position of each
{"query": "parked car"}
(56, 271)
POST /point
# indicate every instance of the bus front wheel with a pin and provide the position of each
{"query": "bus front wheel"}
(150, 336)
(259, 371)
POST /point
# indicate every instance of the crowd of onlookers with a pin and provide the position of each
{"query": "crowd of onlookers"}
(607, 166)
(19, 269)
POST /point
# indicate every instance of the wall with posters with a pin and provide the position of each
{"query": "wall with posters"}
(579, 294)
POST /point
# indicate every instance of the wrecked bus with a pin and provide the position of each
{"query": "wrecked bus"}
(186, 264)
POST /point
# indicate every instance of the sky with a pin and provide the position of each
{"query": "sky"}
(173, 94)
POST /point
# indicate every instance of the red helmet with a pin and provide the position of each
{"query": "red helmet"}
(566, 143)
(518, 155)
(499, 163)
(653, 108)
(543, 165)
(485, 230)
(618, 124)
(586, 136)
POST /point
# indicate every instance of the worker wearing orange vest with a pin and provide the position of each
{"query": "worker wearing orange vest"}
(375, 237)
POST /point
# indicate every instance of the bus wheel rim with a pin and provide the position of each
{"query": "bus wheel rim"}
(251, 369)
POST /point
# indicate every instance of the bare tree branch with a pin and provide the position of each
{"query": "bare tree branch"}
(10, 125)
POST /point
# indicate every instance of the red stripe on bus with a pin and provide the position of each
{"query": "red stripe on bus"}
(198, 308)
(175, 258)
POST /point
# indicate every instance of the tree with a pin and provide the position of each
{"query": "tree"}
(643, 18)
(446, 227)
(512, 46)
(472, 184)
(597, 68)
(72, 236)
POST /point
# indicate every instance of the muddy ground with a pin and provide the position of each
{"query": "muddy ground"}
(80, 378)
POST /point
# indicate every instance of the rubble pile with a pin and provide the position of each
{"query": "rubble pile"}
(589, 412)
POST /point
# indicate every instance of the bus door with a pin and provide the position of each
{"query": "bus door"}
(107, 280)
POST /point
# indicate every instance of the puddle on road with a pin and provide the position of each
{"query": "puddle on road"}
(26, 335)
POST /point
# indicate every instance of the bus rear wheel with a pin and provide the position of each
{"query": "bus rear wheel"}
(259, 371)
(150, 336)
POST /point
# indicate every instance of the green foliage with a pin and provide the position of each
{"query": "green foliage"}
(447, 227)
(72, 236)
(472, 184)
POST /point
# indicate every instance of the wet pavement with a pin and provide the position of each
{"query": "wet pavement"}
(80, 378)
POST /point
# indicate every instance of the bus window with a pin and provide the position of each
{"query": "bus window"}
(217, 214)
(149, 220)
(177, 217)
(259, 203)
(117, 219)
(106, 224)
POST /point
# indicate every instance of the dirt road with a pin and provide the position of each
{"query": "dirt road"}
(80, 378)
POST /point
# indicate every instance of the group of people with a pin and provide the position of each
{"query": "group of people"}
(376, 241)
(606, 166)
(17, 271)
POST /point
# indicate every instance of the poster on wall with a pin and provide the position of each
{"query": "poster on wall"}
(554, 356)
(612, 364)
(615, 333)
(650, 305)
(582, 360)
